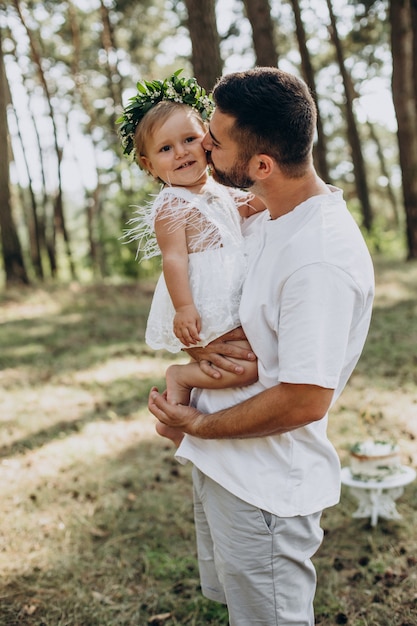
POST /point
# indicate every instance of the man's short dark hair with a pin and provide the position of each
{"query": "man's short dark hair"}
(274, 113)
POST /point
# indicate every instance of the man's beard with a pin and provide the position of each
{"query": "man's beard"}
(237, 177)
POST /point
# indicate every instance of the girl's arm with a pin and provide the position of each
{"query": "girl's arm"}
(252, 206)
(173, 245)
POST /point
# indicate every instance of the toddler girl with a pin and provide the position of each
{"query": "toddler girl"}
(194, 223)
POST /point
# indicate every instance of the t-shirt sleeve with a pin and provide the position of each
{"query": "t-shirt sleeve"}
(319, 305)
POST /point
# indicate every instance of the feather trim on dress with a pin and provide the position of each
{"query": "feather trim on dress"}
(216, 258)
(203, 215)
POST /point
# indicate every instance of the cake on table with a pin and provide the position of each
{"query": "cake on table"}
(374, 460)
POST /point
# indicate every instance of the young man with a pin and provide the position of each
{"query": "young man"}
(264, 469)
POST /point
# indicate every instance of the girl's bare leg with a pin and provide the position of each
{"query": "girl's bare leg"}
(177, 379)
(180, 379)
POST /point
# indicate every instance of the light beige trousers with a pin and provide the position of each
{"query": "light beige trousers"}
(257, 563)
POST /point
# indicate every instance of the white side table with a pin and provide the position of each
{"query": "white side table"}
(376, 498)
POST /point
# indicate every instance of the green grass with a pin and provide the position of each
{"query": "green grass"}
(97, 523)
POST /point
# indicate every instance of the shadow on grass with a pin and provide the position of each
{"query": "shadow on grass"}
(126, 554)
(86, 327)
(110, 406)
(109, 321)
(121, 548)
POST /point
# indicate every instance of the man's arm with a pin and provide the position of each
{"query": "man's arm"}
(277, 410)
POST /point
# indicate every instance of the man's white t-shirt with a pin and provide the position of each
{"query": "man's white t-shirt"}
(305, 309)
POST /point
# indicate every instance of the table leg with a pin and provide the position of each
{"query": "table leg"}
(377, 502)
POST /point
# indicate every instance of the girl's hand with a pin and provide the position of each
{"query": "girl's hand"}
(187, 325)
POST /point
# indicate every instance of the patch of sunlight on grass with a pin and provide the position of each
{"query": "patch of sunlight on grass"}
(100, 439)
(393, 286)
(32, 416)
(34, 500)
(36, 305)
(34, 349)
(114, 369)
(36, 406)
(94, 441)
(391, 292)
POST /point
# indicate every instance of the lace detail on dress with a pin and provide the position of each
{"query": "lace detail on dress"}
(216, 259)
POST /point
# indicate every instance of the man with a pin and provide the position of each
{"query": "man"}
(264, 469)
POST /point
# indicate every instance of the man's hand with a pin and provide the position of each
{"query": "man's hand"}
(274, 411)
(218, 354)
(177, 417)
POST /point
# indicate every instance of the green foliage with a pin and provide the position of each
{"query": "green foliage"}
(122, 256)
(92, 59)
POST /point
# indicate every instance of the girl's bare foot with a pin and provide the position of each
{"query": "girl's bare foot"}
(178, 392)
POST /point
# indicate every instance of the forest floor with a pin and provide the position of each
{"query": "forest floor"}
(96, 525)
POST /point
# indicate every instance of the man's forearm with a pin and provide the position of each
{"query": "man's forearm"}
(274, 411)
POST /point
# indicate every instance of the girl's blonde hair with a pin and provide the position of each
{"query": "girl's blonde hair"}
(156, 117)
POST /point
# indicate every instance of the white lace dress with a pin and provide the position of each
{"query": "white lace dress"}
(216, 257)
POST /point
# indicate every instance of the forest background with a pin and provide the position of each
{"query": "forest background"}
(67, 68)
(97, 524)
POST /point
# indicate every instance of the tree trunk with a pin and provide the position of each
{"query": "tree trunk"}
(58, 203)
(32, 218)
(263, 34)
(403, 91)
(109, 44)
(320, 149)
(352, 129)
(205, 41)
(413, 4)
(12, 254)
(385, 172)
(44, 208)
(93, 202)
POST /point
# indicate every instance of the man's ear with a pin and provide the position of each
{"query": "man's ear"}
(261, 166)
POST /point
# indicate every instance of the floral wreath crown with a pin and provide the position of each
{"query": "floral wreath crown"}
(175, 89)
